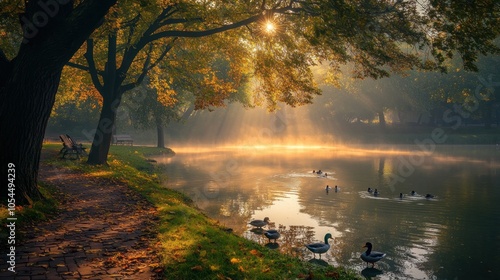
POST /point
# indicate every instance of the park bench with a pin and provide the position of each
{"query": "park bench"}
(123, 139)
(71, 147)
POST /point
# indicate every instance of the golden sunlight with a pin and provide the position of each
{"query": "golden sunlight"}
(270, 27)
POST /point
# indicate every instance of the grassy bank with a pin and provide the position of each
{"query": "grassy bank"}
(192, 245)
(27, 215)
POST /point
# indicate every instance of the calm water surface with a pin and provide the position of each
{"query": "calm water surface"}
(455, 235)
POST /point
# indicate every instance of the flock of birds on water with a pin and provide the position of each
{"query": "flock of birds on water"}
(369, 256)
(375, 192)
(320, 248)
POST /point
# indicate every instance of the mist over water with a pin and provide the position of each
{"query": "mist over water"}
(239, 165)
(238, 126)
(451, 236)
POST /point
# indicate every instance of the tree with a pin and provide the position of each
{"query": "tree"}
(76, 107)
(151, 113)
(139, 56)
(47, 34)
(386, 33)
(148, 108)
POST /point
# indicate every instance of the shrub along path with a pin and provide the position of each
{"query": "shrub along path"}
(103, 231)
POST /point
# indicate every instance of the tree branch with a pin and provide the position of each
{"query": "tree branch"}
(132, 51)
(145, 67)
(196, 34)
(132, 25)
(163, 54)
(128, 87)
(111, 81)
(89, 55)
(83, 67)
(179, 20)
(69, 32)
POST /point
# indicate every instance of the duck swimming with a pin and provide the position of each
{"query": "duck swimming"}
(320, 248)
(371, 256)
(272, 234)
(260, 223)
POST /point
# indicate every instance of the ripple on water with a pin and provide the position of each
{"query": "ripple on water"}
(306, 175)
(365, 194)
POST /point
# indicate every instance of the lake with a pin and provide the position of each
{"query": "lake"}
(454, 235)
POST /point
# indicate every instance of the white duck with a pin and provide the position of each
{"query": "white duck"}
(371, 256)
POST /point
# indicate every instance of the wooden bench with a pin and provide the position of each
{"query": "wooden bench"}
(71, 147)
(123, 139)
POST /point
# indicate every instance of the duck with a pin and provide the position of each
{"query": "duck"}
(272, 234)
(260, 223)
(371, 256)
(320, 248)
(429, 196)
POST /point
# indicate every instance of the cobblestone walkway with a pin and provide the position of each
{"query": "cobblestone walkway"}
(102, 232)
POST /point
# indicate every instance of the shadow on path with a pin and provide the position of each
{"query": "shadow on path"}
(103, 231)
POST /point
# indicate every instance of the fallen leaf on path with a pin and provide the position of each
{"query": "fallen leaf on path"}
(197, 268)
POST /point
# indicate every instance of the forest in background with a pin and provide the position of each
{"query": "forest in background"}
(393, 110)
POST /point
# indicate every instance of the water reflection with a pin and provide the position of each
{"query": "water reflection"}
(371, 272)
(291, 241)
(423, 238)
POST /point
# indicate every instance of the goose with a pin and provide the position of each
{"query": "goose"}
(260, 223)
(371, 256)
(272, 234)
(320, 248)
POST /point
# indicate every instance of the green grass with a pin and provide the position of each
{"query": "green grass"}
(193, 246)
(26, 215)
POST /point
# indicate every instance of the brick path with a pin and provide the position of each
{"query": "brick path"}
(102, 232)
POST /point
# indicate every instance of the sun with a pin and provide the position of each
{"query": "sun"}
(270, 27)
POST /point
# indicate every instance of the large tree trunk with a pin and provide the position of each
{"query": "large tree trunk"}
(111, 96)
(161, 134)
(26, 104)
(102, 138)
(28, 85)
